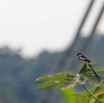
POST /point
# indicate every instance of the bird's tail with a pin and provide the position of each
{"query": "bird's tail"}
(97, 76)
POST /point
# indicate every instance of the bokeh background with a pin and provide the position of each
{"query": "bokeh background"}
(40, 37)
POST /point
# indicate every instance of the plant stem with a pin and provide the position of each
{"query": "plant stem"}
(91, 93)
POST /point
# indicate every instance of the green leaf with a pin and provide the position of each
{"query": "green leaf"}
(97, 89)
(100, 96)
(100, 92)
(81, 97)
(84, 97)
(44, 78)
(57, 79)
(83, 69)
(102, 86)
(73, 81)
(94, 63)
(68, 95)
(47, 84)
(70, 82)
(59, 76)
(101, 70)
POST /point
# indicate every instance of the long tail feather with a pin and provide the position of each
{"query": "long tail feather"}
(97, 76)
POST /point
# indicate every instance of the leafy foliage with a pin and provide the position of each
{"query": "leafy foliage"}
(99, 93)
(66, 80)
(58, 79)
(83, 97)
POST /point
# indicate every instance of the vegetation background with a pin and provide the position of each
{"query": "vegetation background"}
(17, 74)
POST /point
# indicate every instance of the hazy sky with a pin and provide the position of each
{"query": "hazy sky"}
(35, 25)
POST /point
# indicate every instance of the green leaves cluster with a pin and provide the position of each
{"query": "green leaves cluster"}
(67, 79)
(65, 82)
(83, 97)
(52, 80)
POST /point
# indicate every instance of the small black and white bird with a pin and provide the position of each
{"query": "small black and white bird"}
(85, 60)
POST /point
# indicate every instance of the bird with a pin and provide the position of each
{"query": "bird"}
(86, 60)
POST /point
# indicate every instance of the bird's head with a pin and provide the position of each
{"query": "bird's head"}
(79, 54)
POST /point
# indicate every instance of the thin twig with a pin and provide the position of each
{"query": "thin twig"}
(91, 93)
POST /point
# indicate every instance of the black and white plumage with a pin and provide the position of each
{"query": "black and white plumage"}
(85, 60)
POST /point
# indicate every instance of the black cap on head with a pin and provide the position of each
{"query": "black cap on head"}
(79, 54)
